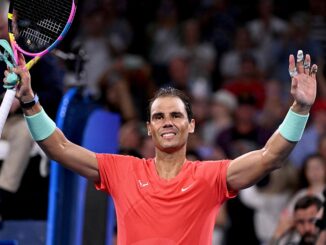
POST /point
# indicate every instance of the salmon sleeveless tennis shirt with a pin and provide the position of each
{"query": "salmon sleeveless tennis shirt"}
(155, 211)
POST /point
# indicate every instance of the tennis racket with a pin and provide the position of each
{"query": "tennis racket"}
(35, 28)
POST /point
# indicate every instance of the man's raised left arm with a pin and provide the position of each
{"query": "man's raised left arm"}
(249, 168)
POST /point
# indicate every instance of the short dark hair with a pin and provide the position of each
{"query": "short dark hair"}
(171, 92)
(308, 201)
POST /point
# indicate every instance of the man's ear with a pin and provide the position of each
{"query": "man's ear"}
(192, 126)
(148, 129)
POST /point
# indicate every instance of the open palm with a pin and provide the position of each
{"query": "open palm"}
(304, 85)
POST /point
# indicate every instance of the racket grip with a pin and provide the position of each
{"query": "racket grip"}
(11, 80)
(5, 107)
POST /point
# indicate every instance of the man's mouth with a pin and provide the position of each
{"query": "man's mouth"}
(168, 135)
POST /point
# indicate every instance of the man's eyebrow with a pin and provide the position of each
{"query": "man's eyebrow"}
(157, 114)
(176, 113)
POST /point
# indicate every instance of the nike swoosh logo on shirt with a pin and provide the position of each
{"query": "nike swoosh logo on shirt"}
(183, 189)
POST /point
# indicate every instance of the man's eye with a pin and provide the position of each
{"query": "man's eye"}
(158, 117)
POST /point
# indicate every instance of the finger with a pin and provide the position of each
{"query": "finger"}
(292, 68)
(9, 81)
(9, 69)
(23, 74)
(313, 71)
(6, 84)
(21, 60)
(300, 57)
(6, 73)
(306, 64)
(294, 84)
(19, 70)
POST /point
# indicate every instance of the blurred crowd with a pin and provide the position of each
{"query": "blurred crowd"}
(231, 58)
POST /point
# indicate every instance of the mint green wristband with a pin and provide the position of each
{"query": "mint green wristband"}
(293, 126)
(40, 125)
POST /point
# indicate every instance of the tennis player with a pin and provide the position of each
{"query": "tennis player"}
(168, 199)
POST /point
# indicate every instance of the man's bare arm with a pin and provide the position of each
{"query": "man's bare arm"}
(55, 145)
(249, 168)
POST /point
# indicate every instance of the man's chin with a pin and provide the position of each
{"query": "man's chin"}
(308, 239)
(170, 148)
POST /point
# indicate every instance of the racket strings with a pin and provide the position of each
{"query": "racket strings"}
(34, 36)
(40, 22)
(51, 25)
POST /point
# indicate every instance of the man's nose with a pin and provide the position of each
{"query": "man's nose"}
(168, 122)
(309, 227)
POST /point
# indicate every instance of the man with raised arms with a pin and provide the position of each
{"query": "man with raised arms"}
(168, 199)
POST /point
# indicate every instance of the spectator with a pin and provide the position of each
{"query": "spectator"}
(116, 27)
(113, 87)
(230, 63)
(130, 135)
(301, 228)
(222, 107)
(266, 31)
(249, 83)
(164, 34)
(179, 73)
(218, 21)
(201, 55)
(93, 41)
(269, 201)
(245, 134)
(312, 179)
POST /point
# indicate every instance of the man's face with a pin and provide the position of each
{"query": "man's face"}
(304, 220)
(169, 125)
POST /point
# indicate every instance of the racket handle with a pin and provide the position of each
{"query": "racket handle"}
(11, 80)
(5, 107)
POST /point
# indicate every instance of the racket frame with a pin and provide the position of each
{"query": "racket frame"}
(10, 93)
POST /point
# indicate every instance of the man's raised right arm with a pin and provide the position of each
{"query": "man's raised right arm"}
(44, 131)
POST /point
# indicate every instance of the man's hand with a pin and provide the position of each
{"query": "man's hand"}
(24, 90)
(304, 85)
(285, 224)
